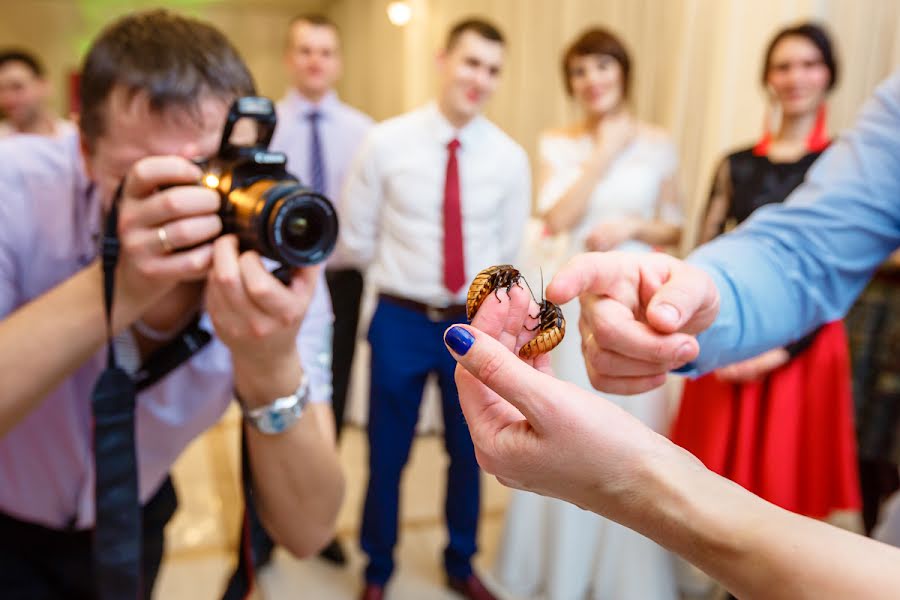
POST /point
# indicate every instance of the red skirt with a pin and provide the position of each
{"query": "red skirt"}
(787, 437)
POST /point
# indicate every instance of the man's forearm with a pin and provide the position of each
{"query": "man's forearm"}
(46, 340)
(754, 548)
(298, 481)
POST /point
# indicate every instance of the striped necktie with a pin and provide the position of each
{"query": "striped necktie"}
(316, 160)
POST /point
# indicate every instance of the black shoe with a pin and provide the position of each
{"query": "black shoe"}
(334, 553)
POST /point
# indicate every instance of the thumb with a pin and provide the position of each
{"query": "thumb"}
(688, 302)
(495, 366)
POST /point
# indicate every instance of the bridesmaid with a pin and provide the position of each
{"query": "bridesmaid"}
(779, 424)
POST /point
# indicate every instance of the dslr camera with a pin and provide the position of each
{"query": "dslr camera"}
(267, 207)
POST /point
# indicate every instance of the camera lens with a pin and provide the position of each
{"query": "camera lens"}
(302, 227)
(299, 232)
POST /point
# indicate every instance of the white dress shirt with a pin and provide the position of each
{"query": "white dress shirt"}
(392, 205)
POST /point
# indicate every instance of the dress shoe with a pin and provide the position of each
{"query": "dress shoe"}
(470, 587)
(334, 553)
(372, 592)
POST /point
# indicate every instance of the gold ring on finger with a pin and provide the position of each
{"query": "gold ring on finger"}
(164, 240)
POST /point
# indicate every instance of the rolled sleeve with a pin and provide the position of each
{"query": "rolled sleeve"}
(314, 343)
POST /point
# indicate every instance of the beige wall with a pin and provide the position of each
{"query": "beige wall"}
(696, 62)
(60, 31)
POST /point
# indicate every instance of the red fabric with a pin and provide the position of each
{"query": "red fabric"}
(816, 141)
(454, 262)
(788, 437)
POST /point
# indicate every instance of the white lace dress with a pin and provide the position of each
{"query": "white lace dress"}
(550, 548)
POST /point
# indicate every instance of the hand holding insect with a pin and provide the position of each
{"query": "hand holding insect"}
(551, 325)
(531, 430)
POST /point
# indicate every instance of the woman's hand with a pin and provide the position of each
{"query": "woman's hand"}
(537, 433)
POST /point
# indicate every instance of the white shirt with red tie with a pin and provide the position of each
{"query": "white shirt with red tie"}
(391, 211)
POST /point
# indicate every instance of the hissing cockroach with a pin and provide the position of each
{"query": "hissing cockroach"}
(551, 330)
(487, 281)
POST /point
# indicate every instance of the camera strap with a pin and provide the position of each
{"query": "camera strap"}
(118, 539)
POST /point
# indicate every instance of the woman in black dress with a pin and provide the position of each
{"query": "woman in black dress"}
(780, 424)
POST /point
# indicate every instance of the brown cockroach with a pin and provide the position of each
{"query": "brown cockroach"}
(551, 326)
(551, 330)
(487, 281)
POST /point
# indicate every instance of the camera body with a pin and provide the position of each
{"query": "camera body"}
(267, 207)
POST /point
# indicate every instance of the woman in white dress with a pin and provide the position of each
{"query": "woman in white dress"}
(607, 183)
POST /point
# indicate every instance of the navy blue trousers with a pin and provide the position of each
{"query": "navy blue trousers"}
(406, 347)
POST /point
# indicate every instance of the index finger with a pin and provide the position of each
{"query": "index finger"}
(591, 272)
(148, 174)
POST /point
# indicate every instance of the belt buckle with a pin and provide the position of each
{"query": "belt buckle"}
(434, 314)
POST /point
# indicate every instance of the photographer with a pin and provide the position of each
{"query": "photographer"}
(156, 88)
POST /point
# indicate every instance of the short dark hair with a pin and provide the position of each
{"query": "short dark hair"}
(174, 59)
(598, 42)
(817, 36)
(483, 28)
(26, 58)
(316, 19)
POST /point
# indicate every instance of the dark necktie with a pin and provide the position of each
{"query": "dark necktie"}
(316, 161)
(454, 262)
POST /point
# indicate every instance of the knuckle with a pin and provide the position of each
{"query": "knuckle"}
(140, 172)
(148, 269)
(491, 370)
(169, 201)
(258, 329)
(226, 280)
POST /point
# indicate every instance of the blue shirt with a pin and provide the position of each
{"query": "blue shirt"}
(794, 266)
(49, 227)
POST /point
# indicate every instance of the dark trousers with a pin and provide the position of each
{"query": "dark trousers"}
(345, 286)
(38, 563)
(406, 347)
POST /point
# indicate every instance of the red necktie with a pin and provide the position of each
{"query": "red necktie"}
(454, 264)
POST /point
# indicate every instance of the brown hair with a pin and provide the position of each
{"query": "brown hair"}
(815, 35)
(598, 42)
(175, 60)
(315, 19)
(26, 58)
(483, 28)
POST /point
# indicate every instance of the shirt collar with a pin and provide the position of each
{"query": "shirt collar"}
(300, 105)
(444, 131)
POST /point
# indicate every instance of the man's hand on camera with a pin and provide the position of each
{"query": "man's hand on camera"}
(162, 231)
(258, 318)
(639, 315)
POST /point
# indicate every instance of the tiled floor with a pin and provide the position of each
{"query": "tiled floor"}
(204, 530)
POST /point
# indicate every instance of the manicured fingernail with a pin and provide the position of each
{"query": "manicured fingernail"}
(667, 313)
(459, 340)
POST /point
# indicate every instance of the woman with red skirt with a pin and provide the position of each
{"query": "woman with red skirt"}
(779, 424)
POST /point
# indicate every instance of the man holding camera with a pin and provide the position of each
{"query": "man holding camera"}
(435, 196)
(320, 135)
(156, 88)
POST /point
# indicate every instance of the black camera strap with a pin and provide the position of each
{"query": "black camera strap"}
(118, 540)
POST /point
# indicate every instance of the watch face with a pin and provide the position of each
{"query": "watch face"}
(277, 422)
(282, 413)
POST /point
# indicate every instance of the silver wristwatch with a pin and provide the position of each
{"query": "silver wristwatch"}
(279, 415)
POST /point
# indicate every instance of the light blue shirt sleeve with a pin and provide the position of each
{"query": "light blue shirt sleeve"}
(794, 266)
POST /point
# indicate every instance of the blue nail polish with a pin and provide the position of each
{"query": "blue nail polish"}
(459, 340)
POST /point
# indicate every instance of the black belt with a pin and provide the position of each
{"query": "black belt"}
(434, 313)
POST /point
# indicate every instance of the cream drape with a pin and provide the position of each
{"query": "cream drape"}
(696, 63)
